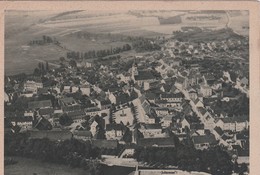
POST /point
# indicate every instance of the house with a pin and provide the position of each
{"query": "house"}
(167, 121)
(32, 86)
(43, 91)
(181, 82)
(233, 123)
(114, 131)
(198, 128)
(77, 116)
(92, 111)
(103, 104)
(205, 90)
(192, 93)
(82, 135)
(127, 153)
(156, 142)
(23, 122)
(85, 89)
(46, 112)
(143, 76)
(67, 101)
(151, 130)
(93, 127)
(171, 97)
(204, 141)
(185, 122)
(39, 104)
(161, 111)
(243, 156)
(198, 103)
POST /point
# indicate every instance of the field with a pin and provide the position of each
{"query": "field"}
(21, 27)
(29, 167)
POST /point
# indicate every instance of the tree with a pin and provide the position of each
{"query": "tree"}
(65, 120)
(47, 66)
(73, 63)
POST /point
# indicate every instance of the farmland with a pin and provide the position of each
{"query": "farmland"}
(104, 29)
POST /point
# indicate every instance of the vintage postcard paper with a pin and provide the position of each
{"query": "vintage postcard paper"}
(130, 88)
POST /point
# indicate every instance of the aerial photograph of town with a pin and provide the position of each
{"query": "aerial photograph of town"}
(130, 92)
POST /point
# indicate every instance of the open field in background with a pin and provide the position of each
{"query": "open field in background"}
(29, 166)
(21, 27)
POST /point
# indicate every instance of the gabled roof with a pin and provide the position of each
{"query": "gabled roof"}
(39, 104)
(219, 130)
(83, 133)
(117, 127)
(109, 144)
(234, 119)
(46, 111)
(202, 110)
(156, 142)
(144, 75)
(197, 126)
(75, 114)
(153, 126)
(204, 139)
(171, 95)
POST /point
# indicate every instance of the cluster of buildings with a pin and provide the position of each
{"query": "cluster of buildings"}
(145, 105)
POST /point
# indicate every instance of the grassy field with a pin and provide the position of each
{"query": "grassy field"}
(29, 167)
(21, 27)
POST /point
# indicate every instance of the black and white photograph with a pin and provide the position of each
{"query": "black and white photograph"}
(126, 92)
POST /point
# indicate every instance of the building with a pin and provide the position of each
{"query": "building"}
(82, 135)
(156, 142)
(204, 141)
(114, 131)
(151, 130)
(32, 86)
(43, 104)
(23, 122)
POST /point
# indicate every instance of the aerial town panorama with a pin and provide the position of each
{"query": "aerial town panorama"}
(126, 93)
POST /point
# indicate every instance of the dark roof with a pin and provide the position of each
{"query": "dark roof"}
(67, 101)
(197, 126)
(234, 119)
(75, 114)
(105, 102)
(39, 104)
(122, 98)
(144, 75)
(92, 109)
(110, 144)
(243, 153)
(242, 136)
(204, 139)
(171, 95)
(52, 135)
(71, 108)
(83, 133)
(219, 130)
(110, 127)
(180, 80)
(202, 110)
(153, 126)
(20, 119)
(156, 142)
(42, 91)
(46, 111)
